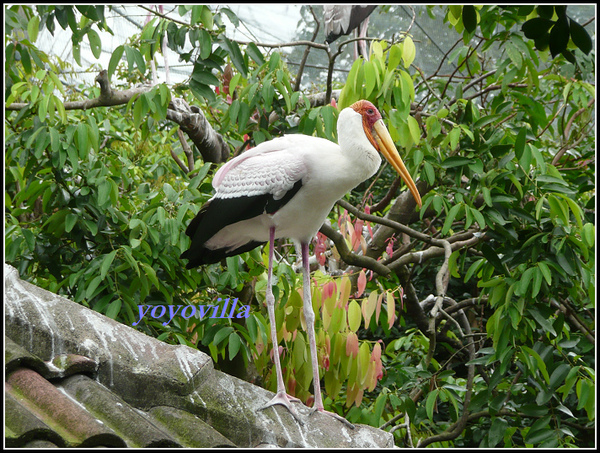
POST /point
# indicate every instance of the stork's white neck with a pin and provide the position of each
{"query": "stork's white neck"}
(355, 144)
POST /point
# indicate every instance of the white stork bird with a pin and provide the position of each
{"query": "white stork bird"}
(286, 187)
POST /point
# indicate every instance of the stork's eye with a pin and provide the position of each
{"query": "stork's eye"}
(370, 112)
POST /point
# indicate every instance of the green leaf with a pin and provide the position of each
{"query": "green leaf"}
(415, 130)
(395, 55)
(354, 316)
(559, 209)
(575, 209)
(469, 18)
(70, 221)
(429, 174)
(541, 365)
(234, 345)
(475, 267)
(204, 76)
(95, 43)
(537, 282)
(235, 55)
(538, 436)
(559, 374)
(497, 431)
(455, 161)
(450, 218)
(524, 282)
(328, 115)
(520, 142)
(134, 57)
(580, 37)
(514, 54)
(205, 44)
(115, 59)
(588, 234)
(104, 189)
(113, 309)
(82, 138)
(478, 217)
(93, 12)
(536, 28)
(222, 334)
(492, 257)
(254, 53)
(545, 272)
(485, 121)
(201, 91)
(206, 17)
(33, 27)
(108, 259)
(349, 93)
(430, 403)
(91, 288)
(559, 36)
(565, 261)
(243, 116)
(196, 14)
(541, 320)
(409, 51)
(370, 78)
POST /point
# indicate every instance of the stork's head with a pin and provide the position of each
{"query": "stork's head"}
(381, 140)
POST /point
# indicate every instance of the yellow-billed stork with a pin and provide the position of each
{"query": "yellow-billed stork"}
(286, 187)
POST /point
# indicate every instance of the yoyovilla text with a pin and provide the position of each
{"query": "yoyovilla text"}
(199, 311)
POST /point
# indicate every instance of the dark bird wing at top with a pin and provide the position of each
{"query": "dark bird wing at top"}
(342, 19)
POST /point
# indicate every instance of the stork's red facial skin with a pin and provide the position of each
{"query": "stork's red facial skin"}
(370, 116)
(380, 138)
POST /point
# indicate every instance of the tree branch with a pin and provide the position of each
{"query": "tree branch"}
(193, 122)
(567, 131)
(352, 258)
(306, 51)
(108, 97)
(432, 252)
(191, 119)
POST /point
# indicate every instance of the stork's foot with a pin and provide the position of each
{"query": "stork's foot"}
(286, 400)
(334, 415)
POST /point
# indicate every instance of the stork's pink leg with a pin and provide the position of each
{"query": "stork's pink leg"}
(362, 33)
(281, 397)
(309, 316)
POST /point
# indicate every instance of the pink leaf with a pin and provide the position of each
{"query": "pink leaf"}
(390, 246)
(351, 345)
(320, 248)
(362, 283)
(378, 308)
(328, 289)
(391, 309)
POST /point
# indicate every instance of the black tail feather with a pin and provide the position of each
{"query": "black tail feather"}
(208, 256)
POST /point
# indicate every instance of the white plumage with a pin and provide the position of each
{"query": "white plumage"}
(286, 187)
(273, 167)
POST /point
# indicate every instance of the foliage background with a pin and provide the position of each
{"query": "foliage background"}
(475, 327)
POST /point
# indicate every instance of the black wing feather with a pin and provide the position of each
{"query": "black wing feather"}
(220, 212)
(357, 15)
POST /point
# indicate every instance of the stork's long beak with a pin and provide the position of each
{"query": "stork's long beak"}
(389, 151)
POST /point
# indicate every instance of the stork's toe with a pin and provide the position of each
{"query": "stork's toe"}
(286, 400)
